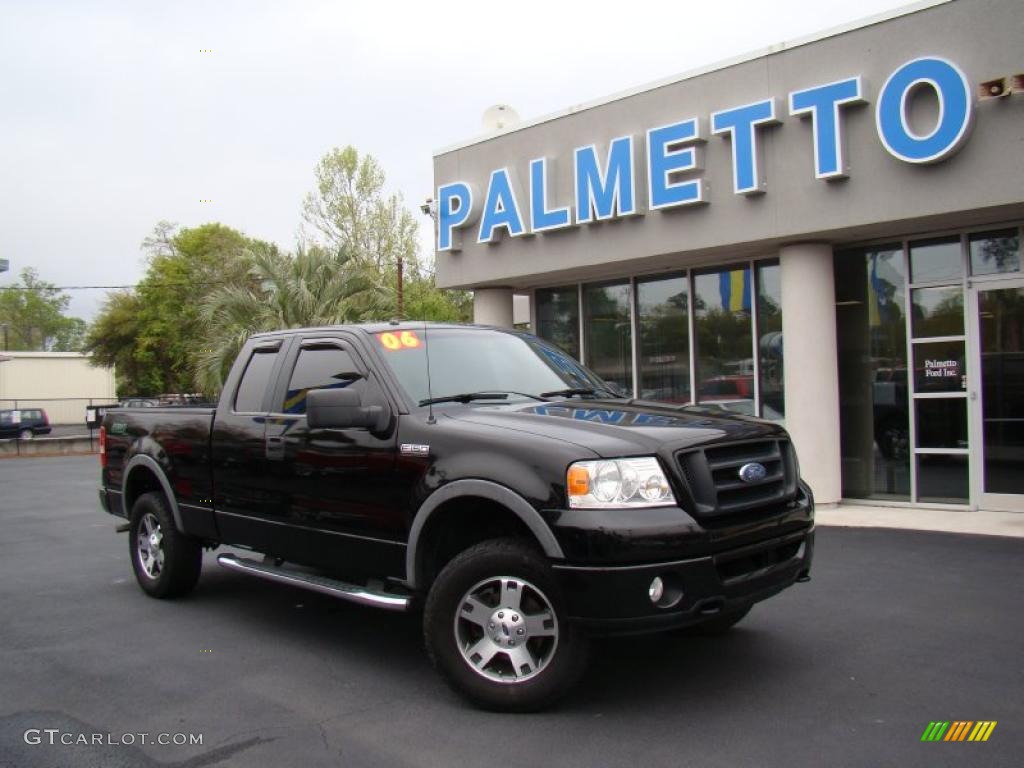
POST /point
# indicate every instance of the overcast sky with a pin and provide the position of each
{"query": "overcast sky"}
(112, 119)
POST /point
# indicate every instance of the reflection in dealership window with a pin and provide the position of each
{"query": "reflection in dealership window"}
(873, 394)
(934, 260)
(937, 312)
(663, 317)
(558, 318)
(722, 312)
(1001, 317)
(608, 334)
(994, 252)
(769, 344)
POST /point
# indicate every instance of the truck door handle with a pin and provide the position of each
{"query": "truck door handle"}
(275, 447)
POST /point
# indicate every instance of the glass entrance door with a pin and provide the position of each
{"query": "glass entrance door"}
(997, 393)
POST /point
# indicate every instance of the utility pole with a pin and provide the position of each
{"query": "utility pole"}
(4, 266)
(400, 292)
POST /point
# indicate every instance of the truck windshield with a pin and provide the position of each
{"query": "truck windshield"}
(469, 360)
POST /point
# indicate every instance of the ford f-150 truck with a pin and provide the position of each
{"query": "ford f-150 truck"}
(479, 475)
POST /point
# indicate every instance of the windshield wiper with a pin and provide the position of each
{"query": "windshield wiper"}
(467, 397)
(570, 392)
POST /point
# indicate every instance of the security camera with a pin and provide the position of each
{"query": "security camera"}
(427, 209)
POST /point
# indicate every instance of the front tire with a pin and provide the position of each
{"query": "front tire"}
(496, 628)
(166, 562)
(26, 434)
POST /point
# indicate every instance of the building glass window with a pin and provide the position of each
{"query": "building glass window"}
(937, 260)
(942, 422)
(722, 329)
(769, 342)
(940, 366)
(995, 252)
(1001, 321)
(608, 334)
(937, 312)
(942, 478)
(558, 318)
(871, 328)
(719, 303)
(663, 321)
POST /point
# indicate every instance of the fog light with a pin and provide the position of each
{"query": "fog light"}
(656, 590)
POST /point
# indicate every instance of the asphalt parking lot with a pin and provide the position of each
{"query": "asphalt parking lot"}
(896, 629)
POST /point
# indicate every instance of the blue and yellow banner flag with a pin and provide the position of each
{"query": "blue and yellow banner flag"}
(734, 289)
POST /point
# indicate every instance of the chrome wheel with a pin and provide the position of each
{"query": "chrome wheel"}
(506, 629)
(149, 547)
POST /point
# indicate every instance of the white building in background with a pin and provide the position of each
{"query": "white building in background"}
(62, 383)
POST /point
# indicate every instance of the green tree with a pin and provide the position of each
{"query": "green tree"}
(349, 210)
(112, 342)
(156, 332)
(33, 312)
(315, 286)
(425, 301)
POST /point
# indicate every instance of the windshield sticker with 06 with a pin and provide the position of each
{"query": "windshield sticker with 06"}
(395, 342)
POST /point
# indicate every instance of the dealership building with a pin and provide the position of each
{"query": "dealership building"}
(825, 233)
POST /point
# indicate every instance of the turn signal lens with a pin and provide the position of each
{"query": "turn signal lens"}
(578, 481)
(103, 447)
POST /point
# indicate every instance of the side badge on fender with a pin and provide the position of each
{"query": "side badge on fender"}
(412, 449)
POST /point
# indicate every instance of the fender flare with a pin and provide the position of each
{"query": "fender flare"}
(488, 490)
(141, 460)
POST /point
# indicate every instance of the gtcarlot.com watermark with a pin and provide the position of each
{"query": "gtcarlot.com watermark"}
(55, 736)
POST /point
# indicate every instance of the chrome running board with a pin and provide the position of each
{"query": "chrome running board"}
(321, 584)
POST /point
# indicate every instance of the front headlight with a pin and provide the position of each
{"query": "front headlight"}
(617, 484)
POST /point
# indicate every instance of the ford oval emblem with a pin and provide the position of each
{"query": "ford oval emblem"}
(753, 472)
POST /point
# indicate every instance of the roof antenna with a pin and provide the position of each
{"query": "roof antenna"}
(430, 393)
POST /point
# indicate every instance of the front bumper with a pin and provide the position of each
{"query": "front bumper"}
(614, 599)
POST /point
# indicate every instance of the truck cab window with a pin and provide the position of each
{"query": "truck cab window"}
(319, 368)
(249, 398)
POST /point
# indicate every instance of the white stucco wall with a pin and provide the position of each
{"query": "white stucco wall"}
(60, 382)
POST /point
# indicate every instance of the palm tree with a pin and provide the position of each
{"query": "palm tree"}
(310, 288)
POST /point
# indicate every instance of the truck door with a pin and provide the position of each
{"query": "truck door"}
(245, 499)
(338, 485)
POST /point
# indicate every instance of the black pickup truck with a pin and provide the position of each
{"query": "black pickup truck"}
(479, 475)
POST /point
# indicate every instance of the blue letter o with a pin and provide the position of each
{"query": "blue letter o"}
(955, 111)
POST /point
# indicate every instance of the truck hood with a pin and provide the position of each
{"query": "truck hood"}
(613, 428)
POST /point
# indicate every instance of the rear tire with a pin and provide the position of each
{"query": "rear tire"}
(26, 434)
(496, 628)
(166, 562)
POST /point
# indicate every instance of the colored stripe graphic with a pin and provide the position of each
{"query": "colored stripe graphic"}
(982, 730)
(958, 730)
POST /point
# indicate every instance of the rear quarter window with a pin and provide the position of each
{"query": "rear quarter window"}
(255, 381)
